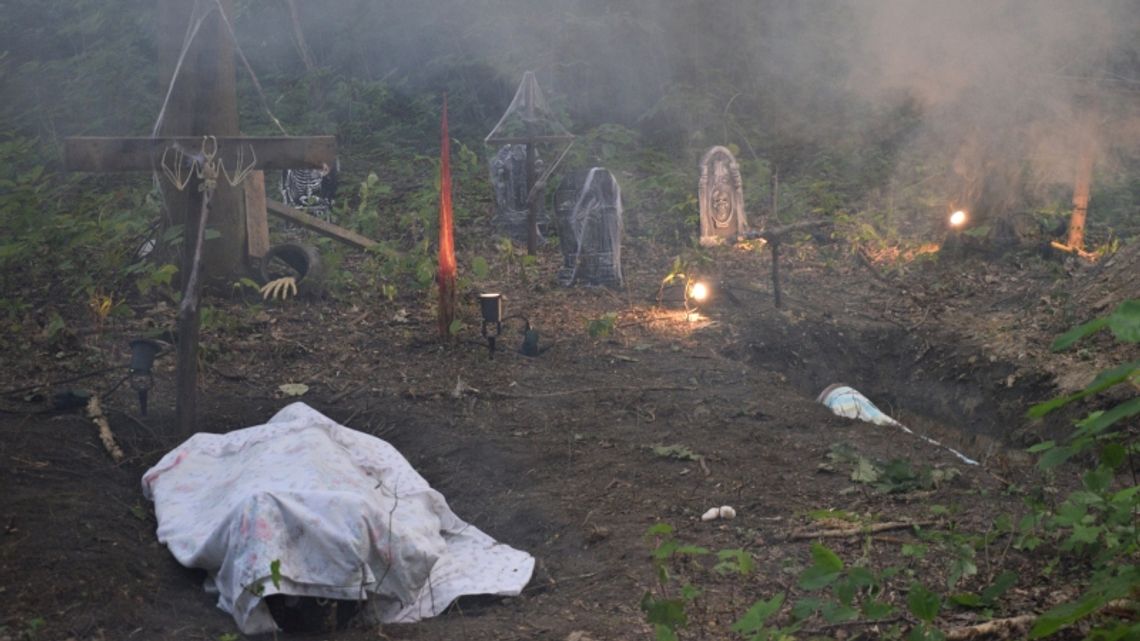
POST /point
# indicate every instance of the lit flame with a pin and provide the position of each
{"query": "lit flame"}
(699, 292)
(958, 218)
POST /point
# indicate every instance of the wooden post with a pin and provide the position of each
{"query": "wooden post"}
(531, 201)
(776, 270)
(775, 195)
(775, 236)
(531, 173)
(256, 216)
(1081, 190)
(203, 102)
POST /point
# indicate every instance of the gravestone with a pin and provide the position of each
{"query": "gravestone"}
(588, 206)
(509, 179)
(527, 123)
(721, 197)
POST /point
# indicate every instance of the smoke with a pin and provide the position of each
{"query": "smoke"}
(1011, 90)
(1006, 91)
(993, 98)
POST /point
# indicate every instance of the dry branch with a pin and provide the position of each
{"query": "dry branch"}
(95, 413)
(859, 531)
(776, 234)
(587, 390)
(1003, 628)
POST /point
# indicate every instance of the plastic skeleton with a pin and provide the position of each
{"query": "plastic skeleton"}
(181, 167)
(280, 287)
(311, 189)
(205, 165)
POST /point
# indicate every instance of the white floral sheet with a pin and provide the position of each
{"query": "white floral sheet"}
(338, 513)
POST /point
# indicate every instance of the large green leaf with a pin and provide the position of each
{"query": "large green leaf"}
(1000, 586)
(1103, 381)
(923, 603)
(753, 620)
(1055, 457)
(1101, 421)
(666, 612)
(1066, 614)
(1064, 341)
(816, 577)
(1125, 321)
(825, 558)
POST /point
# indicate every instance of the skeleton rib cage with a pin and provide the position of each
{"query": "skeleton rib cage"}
(313, 190)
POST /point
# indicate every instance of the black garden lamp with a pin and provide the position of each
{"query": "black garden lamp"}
(491, 306)
(143, 352)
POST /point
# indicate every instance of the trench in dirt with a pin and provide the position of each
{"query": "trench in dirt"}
(925, 380)
(938, 384)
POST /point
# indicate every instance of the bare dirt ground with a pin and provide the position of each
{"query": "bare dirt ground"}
(555, 454)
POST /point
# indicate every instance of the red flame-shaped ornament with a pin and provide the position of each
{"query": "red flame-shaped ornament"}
(446, 275)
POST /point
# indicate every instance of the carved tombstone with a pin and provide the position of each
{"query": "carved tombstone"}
(721, 197)
(508, 178)
(588, 206)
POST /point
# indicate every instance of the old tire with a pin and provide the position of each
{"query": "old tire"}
(302, 262)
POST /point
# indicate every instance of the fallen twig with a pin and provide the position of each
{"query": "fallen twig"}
(349, 390)
(857, 622)
(95, 413)
(1005, 628)
(859, 531)
(861, 254)
(587, 390)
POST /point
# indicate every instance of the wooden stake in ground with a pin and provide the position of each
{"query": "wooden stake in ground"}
(1081, 190)
(775, 237)
(446, 275)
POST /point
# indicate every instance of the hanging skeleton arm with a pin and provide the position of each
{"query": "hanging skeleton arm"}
(180, 165)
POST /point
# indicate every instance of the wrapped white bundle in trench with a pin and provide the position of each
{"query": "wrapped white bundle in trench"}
(848, 402)
(342, 514)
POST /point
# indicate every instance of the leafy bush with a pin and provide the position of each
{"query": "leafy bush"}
(1098, 521)
(67, 244)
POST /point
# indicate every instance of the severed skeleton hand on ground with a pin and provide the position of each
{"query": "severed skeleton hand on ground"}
(279, 288)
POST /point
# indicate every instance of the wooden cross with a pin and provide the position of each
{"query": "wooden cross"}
(529, 88)
(202, 103)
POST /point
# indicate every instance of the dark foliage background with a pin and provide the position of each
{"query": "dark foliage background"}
(879, 113)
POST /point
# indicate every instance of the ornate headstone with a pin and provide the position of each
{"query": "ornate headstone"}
(508, 177)
(588, 206)
(721, 197)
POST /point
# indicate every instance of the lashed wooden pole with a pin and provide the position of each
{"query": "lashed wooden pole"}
(446, 275)
(1081, 189)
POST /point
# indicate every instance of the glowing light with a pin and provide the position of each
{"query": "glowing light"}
(699, 292)
(958, 218)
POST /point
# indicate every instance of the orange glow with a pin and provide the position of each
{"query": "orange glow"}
(958, 218)
(699, 292)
